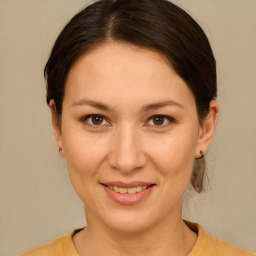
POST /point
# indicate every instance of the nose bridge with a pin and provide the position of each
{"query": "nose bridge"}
(126, 152)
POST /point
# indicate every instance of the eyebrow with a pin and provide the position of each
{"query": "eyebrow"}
(146, 108)
(91, 103)
(161, 105)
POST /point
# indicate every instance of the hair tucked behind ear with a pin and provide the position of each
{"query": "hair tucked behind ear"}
(199, 175)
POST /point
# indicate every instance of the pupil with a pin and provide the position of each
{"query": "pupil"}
(158, 120)
(97, 120)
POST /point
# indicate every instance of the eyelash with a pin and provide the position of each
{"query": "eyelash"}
(168, 118)
(85, 120)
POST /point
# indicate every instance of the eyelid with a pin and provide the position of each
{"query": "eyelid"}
(85, 118)
(169, 118)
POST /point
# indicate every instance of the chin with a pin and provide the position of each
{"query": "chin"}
(129, 226)
(129, 221)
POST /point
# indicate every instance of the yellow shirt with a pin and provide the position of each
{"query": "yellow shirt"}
(205, 245)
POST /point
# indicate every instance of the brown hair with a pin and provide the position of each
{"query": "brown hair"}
(155, 24)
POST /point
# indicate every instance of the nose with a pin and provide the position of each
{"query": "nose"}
(126, 151)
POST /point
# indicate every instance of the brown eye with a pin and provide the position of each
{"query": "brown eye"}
(97, 120)
(158, 120)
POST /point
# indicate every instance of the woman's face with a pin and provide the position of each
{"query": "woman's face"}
(128, 121)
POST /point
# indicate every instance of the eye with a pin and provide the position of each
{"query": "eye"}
(160, 120)
(95, 120)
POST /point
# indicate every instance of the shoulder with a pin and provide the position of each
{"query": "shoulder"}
(60, 247)
(207, 245)
(53, 248)
(227, 249)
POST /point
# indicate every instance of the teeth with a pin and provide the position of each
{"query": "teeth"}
(132, 190)
(123, 190)
(138, 189)
(116, 189)
(127, 190)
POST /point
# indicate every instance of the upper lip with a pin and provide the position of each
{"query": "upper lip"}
(127, 184)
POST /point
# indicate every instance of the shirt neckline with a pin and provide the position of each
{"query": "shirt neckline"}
(69, 247)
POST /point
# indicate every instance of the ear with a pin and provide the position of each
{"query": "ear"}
(57, 129)
(207, 129)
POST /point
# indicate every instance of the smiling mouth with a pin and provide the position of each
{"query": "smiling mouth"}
(132, 190)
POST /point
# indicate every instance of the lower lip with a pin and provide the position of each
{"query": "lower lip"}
(128, 199)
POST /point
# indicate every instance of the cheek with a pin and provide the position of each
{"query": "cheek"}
(174, 154)
(84, 157)
(83, 154)
(173, 157)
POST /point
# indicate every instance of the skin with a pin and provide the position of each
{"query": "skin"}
(129, 144)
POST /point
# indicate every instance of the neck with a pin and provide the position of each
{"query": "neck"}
(171, 236)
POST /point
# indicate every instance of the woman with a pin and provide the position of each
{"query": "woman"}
(132, 90)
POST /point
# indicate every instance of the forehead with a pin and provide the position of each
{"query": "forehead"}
(123, 70)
